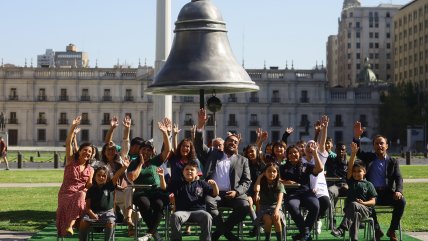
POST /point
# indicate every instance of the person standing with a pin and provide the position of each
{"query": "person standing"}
(384, 172)
(3, 152)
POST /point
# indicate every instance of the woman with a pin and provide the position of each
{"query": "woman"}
(184, 153)
(150, 202)
(294, 171)
(279, 148)
(77, 179)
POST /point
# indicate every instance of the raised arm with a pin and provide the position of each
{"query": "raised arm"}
(317, 129)
(323, 133)
(122, 170)
(261, 137)
(74, 145)
(163, 127)
(175, 131)
(319, 166)
(68, 148)
(113, 124)
(161, 174)
(125, 139)
(354, 150)
(133, 175)
(286, 134)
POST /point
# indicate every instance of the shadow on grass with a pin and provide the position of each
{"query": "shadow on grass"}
(27, 220)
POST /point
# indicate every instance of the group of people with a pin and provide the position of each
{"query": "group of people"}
(201, 181)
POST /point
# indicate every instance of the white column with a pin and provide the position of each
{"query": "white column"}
(162, 105)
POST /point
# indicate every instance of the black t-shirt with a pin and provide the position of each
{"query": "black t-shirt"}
(102, 198)
(190, 196)
(299, 173)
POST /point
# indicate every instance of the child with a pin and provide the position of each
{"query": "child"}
(100, 202)
(361, 197)
(190, 194)
(271, 191)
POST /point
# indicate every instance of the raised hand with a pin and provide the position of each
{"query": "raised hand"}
(175, 129)
(168, 124)
(76, 130)
(324, 121)
(163, 127)
(127, 121)
(313, 147)
(354, 147)
(202, 118)
(211, 182)
(317, 126)
(76, 121)
(358, 129)
(289, 130)
(114, 122)
(160, 171)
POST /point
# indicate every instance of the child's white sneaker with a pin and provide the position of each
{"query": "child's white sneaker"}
(318, 226)
(146, 237)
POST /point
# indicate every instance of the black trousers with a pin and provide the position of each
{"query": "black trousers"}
(151, 208)
(386, 197)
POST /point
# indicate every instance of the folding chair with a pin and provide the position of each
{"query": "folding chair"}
(95, 227)
(369, 231)
(381, 209)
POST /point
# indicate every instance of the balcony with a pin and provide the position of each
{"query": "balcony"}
(62, 121)
(275, 100)
(41, 121)
(63, 98)
(304, 100)
(85, 98)
(13, 97)
(13, 121)
(129, 98)
(189, 122)
(42, 98)
(107, 98)
(275, 123)
(232, 123)
(105, 122)
(254, 99)
(254, 123)
(85, 122)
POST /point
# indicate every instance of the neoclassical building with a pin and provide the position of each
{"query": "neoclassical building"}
(40, 103)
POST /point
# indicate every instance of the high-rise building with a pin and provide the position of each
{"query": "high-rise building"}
(365, 32)
(71, 58)
(411, 44)
(332, 64)
(46, 60)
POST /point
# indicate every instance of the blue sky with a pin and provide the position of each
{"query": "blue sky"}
(271, 31)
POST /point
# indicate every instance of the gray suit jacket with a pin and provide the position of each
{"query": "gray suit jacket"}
(239, 174)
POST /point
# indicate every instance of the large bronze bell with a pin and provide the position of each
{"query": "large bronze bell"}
(200, 57)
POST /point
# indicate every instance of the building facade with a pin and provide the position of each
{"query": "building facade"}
(411, 44)
(365, 32)
(40, 103)
(332, 64)
(71, 58)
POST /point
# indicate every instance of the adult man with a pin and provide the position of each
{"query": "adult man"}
(231, 172)
(384, 172)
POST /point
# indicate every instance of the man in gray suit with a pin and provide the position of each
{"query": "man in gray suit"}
(232, 174)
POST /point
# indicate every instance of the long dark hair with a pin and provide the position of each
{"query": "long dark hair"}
(101, 168)
(252, 146)
(265, 185)
(192, 153)
(83, 145)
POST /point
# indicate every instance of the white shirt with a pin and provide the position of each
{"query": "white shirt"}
(221, 175)
(319, 183)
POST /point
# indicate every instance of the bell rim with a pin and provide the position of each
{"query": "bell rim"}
(186, 90)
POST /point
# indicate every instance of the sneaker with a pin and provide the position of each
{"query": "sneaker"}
(146, 237)
(318, 226)
(378, 234)
(157, 237)
(391, 235)
(337, 232)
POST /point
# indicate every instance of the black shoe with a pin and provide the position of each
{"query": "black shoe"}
(378, 234)
(215, 236)
(296, 237)
(253, 232)
(337, 232)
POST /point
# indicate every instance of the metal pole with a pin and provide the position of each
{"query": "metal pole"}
(201, 99)
(215, 126)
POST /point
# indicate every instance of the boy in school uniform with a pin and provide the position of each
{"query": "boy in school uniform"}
(190, 193)
(360, 200)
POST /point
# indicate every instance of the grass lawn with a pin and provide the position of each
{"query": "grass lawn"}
(414, 171)
(31, 176)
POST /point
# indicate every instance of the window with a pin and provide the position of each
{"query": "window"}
(13, 94)
(338, 136)
(85, 95)
(232, 98)
(275, 136)
(63, 118)
(358, 45)
(357, 24)
(363, 120)
(275, 96)
(188, 121)
(304, 96)
(103, 134)
(63, 95)
(85, 119)
(188, 99)
(42, 94)
(304, 121)
(232, 120)
(41, 134)
(128, 95)
(210, 136)
(210, 121)
(253, 136)
(62, 135)
(275, 120)
(253, 120)
(12, 118)
(357, 34)
(42, 118)
(254, 97)
(107, 95)
(106, 119)
(84, 136)
(338, 121)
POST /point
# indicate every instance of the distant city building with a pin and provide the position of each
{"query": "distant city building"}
(40, 103)
(332, 55)
(411, 44)
(71, 58)
(365, 32)
(46, 60)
